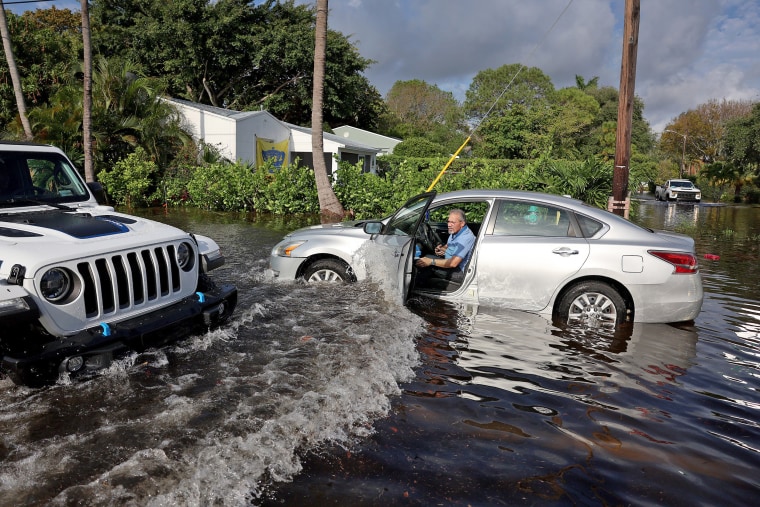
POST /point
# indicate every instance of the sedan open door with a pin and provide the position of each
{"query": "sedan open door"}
(396, 241)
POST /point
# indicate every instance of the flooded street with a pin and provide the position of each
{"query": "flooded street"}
(335, 395)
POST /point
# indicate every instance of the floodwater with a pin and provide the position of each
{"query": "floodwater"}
(335, 395)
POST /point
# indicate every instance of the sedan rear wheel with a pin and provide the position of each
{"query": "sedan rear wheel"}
(593, 305)
(328, 270)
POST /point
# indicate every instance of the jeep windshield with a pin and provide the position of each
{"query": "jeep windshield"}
(38, 178)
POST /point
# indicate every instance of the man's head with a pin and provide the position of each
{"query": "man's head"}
(456, 221)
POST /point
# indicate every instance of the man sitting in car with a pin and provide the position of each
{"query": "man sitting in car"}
(450, 260)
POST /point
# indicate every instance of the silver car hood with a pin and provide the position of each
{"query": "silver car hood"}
(352, 228)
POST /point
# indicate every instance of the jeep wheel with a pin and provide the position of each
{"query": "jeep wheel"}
(328, 270)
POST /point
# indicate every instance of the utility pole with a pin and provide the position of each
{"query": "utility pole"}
(683, 151)
(619, 203)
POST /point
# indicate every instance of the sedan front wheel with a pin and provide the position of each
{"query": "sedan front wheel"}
(593, 305)
(328, 270)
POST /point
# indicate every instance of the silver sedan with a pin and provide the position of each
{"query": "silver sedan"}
(536, 252)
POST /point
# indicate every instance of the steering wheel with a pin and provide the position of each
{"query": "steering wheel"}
(427, 236)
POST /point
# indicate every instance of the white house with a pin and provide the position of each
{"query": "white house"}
(255, 136)
(333, 145)
(233, 133)
(357, 135)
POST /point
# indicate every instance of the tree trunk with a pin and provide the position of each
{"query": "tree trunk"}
(89, 169)
(329, 206)
(13, 70)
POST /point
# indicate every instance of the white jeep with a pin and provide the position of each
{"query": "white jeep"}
(80, 283)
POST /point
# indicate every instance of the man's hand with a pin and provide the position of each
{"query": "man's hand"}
(423, 262)
(440, 250)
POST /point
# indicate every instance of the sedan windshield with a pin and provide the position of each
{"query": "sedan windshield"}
(45, 178)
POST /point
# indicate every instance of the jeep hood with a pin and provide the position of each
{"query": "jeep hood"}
(75, 225)
(70, 235)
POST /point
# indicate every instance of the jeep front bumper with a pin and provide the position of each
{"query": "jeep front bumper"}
(93, 348)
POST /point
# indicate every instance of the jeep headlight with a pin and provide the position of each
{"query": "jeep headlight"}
(56, 285)
(185, 256)
(286, 249)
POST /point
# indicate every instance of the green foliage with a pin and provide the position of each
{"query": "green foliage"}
(237, 54)
(499, 90)
(590, 180)
(290, 189)
(369, 195)
(365, 195)
(129, 181)
(742, 141)
(225, 186)
(419, 109)
(600, 140)
(222, 187)
(509, 135)
(419, 147)
(573, 113)
(46, 45)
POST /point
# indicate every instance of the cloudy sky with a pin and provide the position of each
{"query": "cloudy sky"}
(690, 51)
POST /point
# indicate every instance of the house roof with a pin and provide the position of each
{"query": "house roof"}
(220, 111)
(344, 129)
(336, 139)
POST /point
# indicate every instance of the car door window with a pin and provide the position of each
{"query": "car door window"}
(475, 213)
(520, 218)
(407, 218)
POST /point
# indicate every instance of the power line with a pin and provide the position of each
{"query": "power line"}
(15, 2)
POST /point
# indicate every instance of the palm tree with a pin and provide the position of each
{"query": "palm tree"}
(89, 170)
(128, 112)
(329, 206)
(13, 70)
(583, 85)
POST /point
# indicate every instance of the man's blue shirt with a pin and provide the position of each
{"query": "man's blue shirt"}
(460, 245)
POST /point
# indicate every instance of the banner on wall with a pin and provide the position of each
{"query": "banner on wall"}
(277, 152)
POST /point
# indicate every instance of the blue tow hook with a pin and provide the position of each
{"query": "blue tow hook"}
(201, 297)
(106, 329)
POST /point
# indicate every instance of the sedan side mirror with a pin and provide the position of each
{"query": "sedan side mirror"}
(373, 227)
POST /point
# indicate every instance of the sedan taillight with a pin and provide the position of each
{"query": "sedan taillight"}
(685, 263)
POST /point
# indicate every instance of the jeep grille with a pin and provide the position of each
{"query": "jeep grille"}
(130, 280)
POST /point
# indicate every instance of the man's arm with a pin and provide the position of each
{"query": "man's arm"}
(449, 263)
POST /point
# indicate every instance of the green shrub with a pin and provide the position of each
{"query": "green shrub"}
(129, 181)
(419, 147)
(292, 189)
(222, 186)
